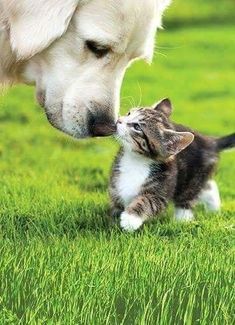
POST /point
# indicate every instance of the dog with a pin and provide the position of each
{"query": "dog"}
(76, 52)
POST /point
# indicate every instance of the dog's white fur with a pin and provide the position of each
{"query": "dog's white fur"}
(43, 43)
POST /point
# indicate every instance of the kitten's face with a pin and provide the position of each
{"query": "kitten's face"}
(148, 131)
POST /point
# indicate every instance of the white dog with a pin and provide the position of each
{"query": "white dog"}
(76, 53)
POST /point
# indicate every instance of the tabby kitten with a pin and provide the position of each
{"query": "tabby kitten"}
(161, 161)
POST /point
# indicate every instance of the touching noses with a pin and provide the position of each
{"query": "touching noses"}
(120, 120)
(101, 125)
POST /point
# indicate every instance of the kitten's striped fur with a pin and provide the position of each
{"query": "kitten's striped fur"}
(161, 161)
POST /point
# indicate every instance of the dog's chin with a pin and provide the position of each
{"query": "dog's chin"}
(80, 131)
(77, 133)
(56, 123)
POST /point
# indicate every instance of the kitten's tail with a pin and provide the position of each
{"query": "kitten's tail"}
(226, 142)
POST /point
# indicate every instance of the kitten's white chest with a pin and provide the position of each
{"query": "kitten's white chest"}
(134, 169)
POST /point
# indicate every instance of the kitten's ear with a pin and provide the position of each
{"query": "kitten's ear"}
(174, 142)
(164, 106)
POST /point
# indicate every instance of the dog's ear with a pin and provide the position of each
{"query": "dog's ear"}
(161, 6)
(34, 24)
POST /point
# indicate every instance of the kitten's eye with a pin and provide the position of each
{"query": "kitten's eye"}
(99, 50)
(136, 127)
(129, 113)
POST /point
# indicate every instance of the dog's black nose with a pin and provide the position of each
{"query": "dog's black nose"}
(101, 125)
(103, 129)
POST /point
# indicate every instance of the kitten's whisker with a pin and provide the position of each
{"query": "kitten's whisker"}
(159, 53)
(140, 96)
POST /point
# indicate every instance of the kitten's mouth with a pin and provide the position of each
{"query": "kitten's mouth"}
(119, 128)
(119, 136)
(121, 133)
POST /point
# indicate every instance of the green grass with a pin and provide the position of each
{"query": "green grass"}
(61, 262)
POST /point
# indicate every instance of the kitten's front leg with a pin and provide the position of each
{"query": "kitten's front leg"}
(116, 211)
(116, 208)
(142, 208)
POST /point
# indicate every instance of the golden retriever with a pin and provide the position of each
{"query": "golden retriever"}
(76, 52)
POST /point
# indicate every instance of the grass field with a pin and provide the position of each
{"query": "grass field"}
(60, 260)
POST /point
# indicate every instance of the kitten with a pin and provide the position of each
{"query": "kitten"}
(161, 161)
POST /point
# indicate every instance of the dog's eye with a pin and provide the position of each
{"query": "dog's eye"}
(136, 127)
(99, 50)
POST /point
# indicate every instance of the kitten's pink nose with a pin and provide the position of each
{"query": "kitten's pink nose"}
(119, 121)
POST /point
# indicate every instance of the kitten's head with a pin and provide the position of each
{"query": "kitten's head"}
(149, 132)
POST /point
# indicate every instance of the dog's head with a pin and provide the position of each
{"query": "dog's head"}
(76, 53)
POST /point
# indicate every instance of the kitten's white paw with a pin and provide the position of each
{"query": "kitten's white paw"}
(130, 222)
(183, 214)
(210, 196)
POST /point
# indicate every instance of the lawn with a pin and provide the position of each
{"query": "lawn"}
(61, 262)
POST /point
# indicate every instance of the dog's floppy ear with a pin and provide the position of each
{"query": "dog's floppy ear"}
(34, 24)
